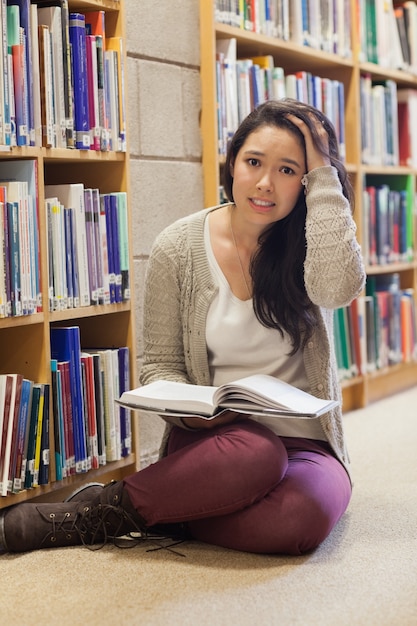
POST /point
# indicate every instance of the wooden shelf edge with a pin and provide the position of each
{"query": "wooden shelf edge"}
(57, 491)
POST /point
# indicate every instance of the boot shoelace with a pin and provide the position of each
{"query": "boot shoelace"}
(107, 523)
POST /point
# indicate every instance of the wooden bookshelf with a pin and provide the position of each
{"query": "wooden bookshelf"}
(25, 340)
(357, 391)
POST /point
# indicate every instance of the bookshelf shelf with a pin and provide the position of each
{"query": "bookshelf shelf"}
(349, 70)
(25, 339)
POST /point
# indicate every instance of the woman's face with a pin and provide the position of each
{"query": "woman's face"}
(267, 175)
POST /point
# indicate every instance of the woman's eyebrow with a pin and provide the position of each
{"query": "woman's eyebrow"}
(284, 159)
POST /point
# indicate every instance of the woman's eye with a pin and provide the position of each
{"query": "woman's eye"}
(253, 162)
(287, 170)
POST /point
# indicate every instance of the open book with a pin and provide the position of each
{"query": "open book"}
(256, 395)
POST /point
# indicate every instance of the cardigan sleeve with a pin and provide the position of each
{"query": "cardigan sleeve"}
(162, 320)
(334, 272)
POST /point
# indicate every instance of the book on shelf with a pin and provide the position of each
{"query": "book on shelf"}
(72, 195)
(20, 220)
(319, 25)
(11, 415)
(88, 248)
(257, 395)
(95, 25)
(17, 465)
(50, 15)
(65, 346)
(90, 409)
(44, 456)
(17, 43)
(77, 34)
(58, 421)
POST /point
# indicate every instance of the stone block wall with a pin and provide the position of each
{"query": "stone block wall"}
(163, 109)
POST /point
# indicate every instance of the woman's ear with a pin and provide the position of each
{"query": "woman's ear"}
(231, 168)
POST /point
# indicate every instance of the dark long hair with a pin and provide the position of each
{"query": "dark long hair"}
(280, 299)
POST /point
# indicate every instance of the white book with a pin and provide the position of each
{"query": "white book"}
(72, 195)
(36, 90)
(51, 17)
(255, 395)
(296, 23)
(55, 216)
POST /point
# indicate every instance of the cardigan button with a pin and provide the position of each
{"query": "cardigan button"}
(320, 387)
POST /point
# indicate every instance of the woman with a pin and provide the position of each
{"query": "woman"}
(247, 287)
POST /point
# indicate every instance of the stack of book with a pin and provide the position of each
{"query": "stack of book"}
(320, 25)
(87, 246)
(61, 78)
(24, 433)
(20, 276)
(377, 330)
(90, 428)
(243, 84)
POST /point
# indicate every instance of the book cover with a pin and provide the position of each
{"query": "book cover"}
(64, 369)
(68, 94)
(36, 79)
(17, 49)
(25, 21)
(124, 414)
(50, 16)
(46, 81)
(116, 44)
(15, 471)
(65, 346)
(95, 24)
(91, 246)
(58, 420)
(90, 405)
(123, 230)
(11, 434)
(32, 436)
(38, 441)
(80, 80)
(115, 244)
(72, 195)
(43, 477)
(102, 281)
(93, 102)
(99, 402)
(5, 405)
(106, 224)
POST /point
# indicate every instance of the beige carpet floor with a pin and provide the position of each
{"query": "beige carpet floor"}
(364, 574)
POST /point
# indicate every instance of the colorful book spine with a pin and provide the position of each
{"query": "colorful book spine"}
(77, 34)
(65, 346)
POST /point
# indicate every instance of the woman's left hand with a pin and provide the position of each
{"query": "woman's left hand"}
(315, 157)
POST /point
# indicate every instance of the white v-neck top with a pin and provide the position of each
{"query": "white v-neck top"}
(239, 345)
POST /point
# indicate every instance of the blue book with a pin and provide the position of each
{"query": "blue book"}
(68, 256)
(33, 427)
(58, 419)
(77, 33)
(15, 468)
(125, 414)
(14, 259)
(115, 242)
(43, 478)
(106, 208)
(65, 346)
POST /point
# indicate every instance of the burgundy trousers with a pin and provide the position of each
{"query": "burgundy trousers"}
(240, 486)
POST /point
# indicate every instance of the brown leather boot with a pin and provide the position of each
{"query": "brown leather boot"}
(32, 526)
